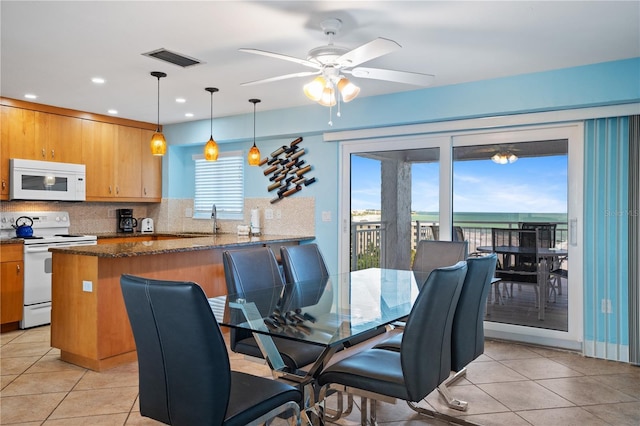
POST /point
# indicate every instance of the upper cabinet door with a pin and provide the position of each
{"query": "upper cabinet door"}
(99, 144)
(128, 163)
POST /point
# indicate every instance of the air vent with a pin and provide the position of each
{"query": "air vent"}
(172, 57)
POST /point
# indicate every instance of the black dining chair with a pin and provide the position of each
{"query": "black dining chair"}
(424, 359)
(256, 271)
(305, 269)
(184, 373)
(467, 334)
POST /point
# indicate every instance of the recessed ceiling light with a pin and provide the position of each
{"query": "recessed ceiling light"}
(189, 114)
(98, 80)
(113, 111)
(181, 100)
(30, 96)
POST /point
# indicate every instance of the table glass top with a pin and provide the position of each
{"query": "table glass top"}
(324, 312)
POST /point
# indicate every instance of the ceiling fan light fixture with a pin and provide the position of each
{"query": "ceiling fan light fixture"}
(254, 153)
(158, 142)
(313, 89)
(211, 148)
(347, 89)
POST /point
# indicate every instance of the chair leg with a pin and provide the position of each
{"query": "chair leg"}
(445, 393)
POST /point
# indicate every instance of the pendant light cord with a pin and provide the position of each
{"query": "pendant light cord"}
(211, 116)
(158, 122)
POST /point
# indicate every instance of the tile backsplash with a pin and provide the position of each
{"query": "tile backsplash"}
(291, 216)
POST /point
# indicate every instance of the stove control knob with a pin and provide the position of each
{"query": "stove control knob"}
(4, 220)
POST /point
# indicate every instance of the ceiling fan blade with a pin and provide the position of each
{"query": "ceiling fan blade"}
(281, 56)
(417, 79)
(281, 77)
(368, 51)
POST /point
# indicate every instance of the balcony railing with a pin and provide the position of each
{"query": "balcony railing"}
(367, 248)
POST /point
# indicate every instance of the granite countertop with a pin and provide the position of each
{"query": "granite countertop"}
(191, 242)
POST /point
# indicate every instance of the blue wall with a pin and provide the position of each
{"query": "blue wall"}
(610, 83)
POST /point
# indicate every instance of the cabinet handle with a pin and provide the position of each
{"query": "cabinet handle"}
(109, 189)
(18, 268)
(4, 184)
(44, 153)
(144, 190)
(117, 190)
(53, 154)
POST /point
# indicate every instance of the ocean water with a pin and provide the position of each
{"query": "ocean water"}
(481, 220)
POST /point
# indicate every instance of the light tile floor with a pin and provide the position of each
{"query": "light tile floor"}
(511, 384)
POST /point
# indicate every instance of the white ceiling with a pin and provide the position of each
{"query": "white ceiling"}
(54, 48)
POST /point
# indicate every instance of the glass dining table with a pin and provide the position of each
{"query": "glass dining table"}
(331, 313)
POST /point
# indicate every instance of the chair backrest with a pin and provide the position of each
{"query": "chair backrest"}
(306, 271)
(546, 234)
(435, 254)
(184, 370)
(467, 335)
(252, 270)
(427, 334)
(458, 233)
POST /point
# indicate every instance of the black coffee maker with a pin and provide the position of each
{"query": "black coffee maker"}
(126, 221)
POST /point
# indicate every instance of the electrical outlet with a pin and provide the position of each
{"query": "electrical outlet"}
(268, 214)
(326, 216)
(111, 213)
(278, 214)
(87, 286)
(188, 212)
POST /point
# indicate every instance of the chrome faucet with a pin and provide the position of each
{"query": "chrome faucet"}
(214, 216)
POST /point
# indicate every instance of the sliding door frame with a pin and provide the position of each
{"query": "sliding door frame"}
(446, 141)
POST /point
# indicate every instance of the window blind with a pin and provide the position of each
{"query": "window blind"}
(221, 183)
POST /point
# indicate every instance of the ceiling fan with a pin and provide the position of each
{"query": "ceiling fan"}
(330, 62)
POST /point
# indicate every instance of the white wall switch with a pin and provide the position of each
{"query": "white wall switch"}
(326, 216)
(278, 214)
(87, 286)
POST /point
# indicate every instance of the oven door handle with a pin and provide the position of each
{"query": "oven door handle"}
(35, 249)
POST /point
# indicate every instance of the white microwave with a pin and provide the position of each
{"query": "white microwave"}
(46, 180)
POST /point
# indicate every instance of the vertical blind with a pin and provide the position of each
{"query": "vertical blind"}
(221, 183)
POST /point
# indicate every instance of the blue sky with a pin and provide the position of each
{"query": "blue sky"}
(530, 185)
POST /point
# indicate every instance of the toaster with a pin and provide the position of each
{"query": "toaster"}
(145, 224)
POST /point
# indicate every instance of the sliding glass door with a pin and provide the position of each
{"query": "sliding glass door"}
(447, 187)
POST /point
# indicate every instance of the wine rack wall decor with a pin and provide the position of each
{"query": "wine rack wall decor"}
(287, 171)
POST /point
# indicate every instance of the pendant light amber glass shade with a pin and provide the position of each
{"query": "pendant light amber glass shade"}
(254, 153)
(211, 150)
(254, 156)
(158, 142)
(211, 147)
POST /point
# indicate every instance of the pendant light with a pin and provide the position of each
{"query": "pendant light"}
(254, 152)
(158, 142)
(211, 148)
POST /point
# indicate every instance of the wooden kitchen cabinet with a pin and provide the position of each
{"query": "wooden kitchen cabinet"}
(99, 141)
(58, 138)
(36, 135)
(18, 141)
(119, 164)
(11, 285)
(128, 163)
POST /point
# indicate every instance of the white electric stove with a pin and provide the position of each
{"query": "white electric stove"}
(50, 229)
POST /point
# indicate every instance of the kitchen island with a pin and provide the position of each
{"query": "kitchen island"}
(89, 322)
